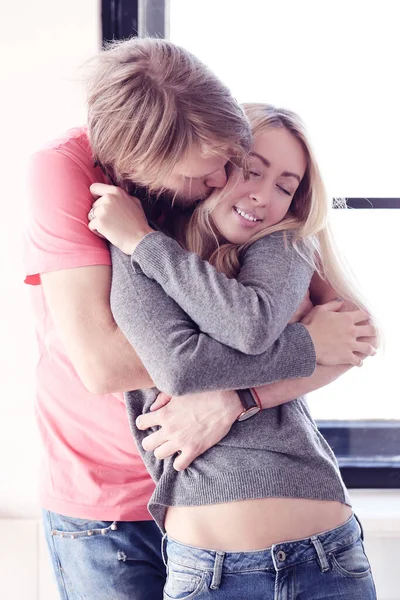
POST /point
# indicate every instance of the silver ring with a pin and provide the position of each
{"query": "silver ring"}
(91, 214)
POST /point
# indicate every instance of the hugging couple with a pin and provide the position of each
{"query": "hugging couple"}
(187, 294)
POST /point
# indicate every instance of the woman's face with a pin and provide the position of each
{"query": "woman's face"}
(277, 165)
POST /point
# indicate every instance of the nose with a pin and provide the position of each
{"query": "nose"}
(217, 179)
(260, 196)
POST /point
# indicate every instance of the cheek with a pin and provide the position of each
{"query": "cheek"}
(280, 210)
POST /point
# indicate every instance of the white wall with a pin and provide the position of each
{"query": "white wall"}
(42, 45)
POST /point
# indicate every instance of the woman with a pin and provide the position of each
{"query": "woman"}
(231, 516)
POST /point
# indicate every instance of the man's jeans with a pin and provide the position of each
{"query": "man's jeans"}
(105, 560)
(331, 565)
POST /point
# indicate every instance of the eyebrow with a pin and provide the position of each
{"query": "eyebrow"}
(268, 164)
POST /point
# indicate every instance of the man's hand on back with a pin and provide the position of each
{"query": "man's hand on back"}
(189, 424)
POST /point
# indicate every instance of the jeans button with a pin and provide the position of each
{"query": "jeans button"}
(281, 556)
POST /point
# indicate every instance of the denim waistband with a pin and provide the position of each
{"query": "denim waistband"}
(277, 557)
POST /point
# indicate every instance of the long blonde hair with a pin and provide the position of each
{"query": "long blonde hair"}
(149, 101)
(307, 218)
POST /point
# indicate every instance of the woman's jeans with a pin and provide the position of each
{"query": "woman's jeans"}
(328, 566)
(105, 560)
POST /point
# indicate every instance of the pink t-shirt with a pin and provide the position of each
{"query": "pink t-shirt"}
(91, 467)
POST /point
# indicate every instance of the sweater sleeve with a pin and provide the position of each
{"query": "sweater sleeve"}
(183, 360)
(248, 313)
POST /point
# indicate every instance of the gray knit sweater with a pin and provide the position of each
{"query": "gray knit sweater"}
(197, 330)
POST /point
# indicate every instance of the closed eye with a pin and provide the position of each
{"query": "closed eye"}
(284, 191)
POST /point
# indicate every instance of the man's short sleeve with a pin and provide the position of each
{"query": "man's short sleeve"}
(57, 236)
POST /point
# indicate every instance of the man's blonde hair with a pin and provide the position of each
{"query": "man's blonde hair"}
(149, 101)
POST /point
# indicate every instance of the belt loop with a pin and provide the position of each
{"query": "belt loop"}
(322, 559)
(217, 574)
(163, 549)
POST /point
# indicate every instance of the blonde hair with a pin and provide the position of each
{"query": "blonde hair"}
(307, 218)
(149, 101)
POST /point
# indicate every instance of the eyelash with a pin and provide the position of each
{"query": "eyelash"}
(283, 190)
(278, 186)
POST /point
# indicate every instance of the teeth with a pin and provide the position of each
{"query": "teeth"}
(245, 215)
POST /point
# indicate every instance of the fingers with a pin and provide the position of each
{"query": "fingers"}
(100, 189)
(359, 316)
(161, 400)
(153, 419)
(183, 461)
(356, 361)
(366, 331)
(366, 349)
(333, 305)
(165, 450)
(154, 440)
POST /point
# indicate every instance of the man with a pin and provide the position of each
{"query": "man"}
(159, 118)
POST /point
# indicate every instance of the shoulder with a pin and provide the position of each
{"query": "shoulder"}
(279, 241)
(281, 247)
(69, 153)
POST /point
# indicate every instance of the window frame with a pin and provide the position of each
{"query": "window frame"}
(122, 19)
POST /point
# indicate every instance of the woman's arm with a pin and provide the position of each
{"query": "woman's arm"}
(182, 360)
(248, 313)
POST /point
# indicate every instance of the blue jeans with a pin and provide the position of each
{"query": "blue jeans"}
(328, 566)
(105, 560)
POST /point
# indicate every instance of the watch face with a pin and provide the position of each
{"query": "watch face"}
(249, 413)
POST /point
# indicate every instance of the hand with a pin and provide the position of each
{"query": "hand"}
(338, 336)
(189, 425)
(303, 309)
(118, 217)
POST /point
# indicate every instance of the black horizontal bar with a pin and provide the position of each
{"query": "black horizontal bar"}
(368, 451)
(363, 441)
(371, 477)
(338, 203)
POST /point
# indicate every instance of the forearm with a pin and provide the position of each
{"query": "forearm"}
(248, 313)
(281, 392)
(115, 366)
(181, 360)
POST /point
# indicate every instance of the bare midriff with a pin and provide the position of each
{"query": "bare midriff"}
(253, 524)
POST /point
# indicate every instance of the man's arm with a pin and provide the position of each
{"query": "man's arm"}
(74, 266)
(79, 302)
(192, 424)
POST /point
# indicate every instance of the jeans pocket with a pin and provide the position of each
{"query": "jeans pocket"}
(69, 527)
(183, 583)
(351, 561)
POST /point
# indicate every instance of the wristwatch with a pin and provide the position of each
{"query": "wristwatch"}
(250, 402)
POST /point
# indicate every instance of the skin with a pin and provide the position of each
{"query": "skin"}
(250, 524)
(268, 193)
(196, 175)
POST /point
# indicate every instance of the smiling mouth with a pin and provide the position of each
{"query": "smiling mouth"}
(245, 215)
